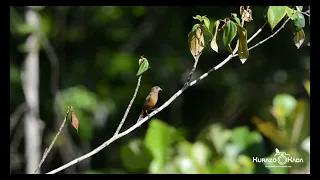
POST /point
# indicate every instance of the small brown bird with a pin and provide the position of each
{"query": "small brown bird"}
(151, 100)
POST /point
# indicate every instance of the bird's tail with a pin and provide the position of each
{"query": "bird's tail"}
(141, 115)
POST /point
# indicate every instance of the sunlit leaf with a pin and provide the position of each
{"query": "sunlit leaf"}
(220, 167)
(234, 16)
(214, 44)
(203, 19)
(275, 14)
(271, 131)
(144, 66)
(299, 38)
(158, 138)
(299, 8)
(286, 102)
(229, 34)
(201, 153)
(290, 12)
(243, 51)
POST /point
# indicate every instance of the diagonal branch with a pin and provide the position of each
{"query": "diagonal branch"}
(47, 150)
(129, 107)
(167, 103)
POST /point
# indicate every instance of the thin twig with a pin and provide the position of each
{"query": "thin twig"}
(129, 107)
(139, 123)
(271, 36)
(258, 32)
(46, 152)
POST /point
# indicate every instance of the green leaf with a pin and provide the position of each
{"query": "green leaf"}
(220, 167)
(229, 34)
(197, 17)
(246, 163)
(299, 8)
(298, 123)
(135, 156)
(206, 22)
(201, 153)
(214, 44)
(144, 66)
(158, 139)
(243, 138)
(275, 14)
(243, 51)
(306, 85)
(299, 38)
(234, 16)
(203, 19)
(290, 12)
(298, 21)
(196, 41)
(286, 102)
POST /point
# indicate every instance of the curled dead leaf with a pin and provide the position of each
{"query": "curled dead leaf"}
(74, 121)
(246, 13)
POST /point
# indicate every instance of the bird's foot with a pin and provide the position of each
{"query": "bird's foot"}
(154, 109)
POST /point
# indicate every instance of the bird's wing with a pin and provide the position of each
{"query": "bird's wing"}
(147, 100)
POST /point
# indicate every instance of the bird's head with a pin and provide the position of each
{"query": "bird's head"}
(156, 89)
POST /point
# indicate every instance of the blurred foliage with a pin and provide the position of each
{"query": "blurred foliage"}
(217, 126)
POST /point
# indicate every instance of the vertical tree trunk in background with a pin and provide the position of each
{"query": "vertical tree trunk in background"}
(30, 85)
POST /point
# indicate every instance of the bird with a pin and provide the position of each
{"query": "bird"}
(150, 102)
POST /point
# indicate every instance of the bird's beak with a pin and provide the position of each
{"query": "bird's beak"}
(160, 89)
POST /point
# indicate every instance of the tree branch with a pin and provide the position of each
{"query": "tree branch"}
(30, 85)
(47, 150)
(129, 107)
(167, 103)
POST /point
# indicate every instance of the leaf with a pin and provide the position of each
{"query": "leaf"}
(203, 19)
(298, 21)
(299, 38)
(275, 14)
(196, 41)
(306, 85)
(229, 34)
(158, 139)
(234, 16)
(74, 120)
(135, 156)
(243, 51)
(270, 130)
(246, 14)
(201, 153)
(206, 22)
(290, 12)
(299, 8)
(144, 66)
(242, 137)
(298, 125)
(220, 167)
(286, 102)
(213, 44)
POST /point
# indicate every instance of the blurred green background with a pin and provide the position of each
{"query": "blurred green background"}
(239, 112)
